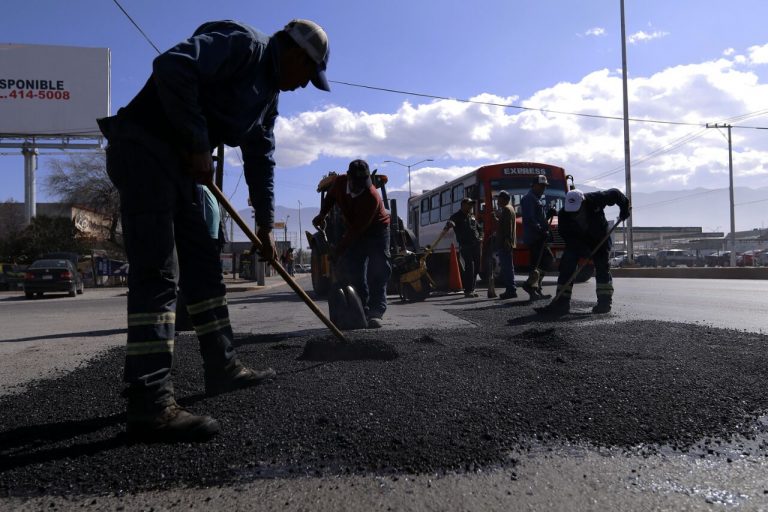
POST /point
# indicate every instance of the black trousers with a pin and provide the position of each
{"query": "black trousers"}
(164, 229)
(471, 257)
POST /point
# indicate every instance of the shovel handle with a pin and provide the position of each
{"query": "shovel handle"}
(272, 261)
(579, 267)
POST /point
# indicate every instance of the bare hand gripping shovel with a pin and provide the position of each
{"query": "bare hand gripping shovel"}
(272, 261)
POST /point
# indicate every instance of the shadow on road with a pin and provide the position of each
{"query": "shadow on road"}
(58, 336)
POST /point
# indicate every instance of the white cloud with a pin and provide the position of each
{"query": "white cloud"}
(643, 37)
(461, 136)
(595, 31)
(758, 54)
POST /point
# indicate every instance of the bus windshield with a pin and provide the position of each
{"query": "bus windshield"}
(554, 194)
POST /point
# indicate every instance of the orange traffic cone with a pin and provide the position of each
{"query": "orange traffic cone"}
(454, 276)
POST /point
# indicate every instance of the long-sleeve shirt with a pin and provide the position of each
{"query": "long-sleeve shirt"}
(219, 86)
(361, 213)
(583, 230)
(466, 229)
(506, 236)
(534, 218)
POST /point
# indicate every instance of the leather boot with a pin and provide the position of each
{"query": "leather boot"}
(602, 308)
(234, 376)
(168, 422)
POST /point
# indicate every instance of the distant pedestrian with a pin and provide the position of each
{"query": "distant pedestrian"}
(535, 235)
(583, 225)
(289, 267)
(506, 241)
(469, 238)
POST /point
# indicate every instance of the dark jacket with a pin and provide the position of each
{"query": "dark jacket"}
(466, 229)
(584, 229)
(506, 232)
(219, 86)
(535, 225)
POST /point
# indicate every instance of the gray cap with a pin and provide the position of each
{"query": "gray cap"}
(312, 39)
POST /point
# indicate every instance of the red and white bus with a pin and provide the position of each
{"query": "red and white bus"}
(429, 211)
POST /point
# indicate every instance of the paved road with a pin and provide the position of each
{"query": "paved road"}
(43, 338)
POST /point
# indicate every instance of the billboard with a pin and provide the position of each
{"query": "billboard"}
(53, 90)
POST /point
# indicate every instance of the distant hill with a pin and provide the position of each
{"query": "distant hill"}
(696, 207)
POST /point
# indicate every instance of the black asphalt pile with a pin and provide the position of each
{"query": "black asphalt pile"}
(452, 401)
(329, 348)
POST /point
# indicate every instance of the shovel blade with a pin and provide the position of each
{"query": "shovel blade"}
(346, 308)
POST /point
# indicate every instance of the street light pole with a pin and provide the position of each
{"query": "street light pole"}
(730, 188)
(285, 228)
(299, 230)
(409, 169)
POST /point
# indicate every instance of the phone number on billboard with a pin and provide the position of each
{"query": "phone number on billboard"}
(40, 95)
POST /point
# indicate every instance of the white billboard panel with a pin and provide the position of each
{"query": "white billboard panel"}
(53, 90)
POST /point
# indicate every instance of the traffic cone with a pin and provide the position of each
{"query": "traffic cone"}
(454, 276)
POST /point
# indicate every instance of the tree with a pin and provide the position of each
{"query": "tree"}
(82, 179)
(43, 235)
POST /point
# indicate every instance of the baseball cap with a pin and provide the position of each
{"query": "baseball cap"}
(312, 39)
(573, 200)
(541, 180)
(358, 169)
(503, 193)
(467, 200)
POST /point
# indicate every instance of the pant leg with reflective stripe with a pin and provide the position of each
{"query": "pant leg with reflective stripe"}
(201, 282)
(568, 263)
(148, 197)
(603, 279)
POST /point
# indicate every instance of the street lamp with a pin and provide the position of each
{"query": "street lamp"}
(409, 169)
(285, 228)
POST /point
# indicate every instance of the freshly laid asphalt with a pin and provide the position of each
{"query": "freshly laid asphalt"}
(452, 401)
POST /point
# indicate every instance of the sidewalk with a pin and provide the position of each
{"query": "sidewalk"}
(248, 285)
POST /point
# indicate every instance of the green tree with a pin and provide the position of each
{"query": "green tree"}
(43, 235)
(81, 179)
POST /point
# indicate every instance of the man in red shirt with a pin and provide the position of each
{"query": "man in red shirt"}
(363, 252)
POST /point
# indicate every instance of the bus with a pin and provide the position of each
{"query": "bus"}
(429, 211)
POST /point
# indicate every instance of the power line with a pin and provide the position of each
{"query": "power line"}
(137, 26)
(676, 198)
(751, 202)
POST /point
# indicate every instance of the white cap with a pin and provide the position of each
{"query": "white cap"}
(542, 180)
(312, 39)
(573, 200)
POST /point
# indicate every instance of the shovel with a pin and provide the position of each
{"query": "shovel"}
(275, 264)
(544, 309)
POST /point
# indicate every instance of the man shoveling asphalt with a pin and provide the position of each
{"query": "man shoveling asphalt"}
(219, 86)
(584, 228)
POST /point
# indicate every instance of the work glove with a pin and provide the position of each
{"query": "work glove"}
(319, 222)
(624, 214)
(200, 167)
(449, 225)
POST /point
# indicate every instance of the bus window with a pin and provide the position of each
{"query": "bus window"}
(434, 211)
(445, 204)
(458, 195)
(424, 218)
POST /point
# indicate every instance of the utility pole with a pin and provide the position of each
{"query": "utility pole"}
(627, 172)
(300, 233)
(730, 188)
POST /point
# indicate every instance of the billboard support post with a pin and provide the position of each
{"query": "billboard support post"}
(30, 166)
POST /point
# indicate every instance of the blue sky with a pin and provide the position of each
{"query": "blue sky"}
(692, 61)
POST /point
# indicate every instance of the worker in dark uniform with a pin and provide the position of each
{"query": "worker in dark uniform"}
(219, 86)
(363, 251)
(506, 241)
(583, 226)
(535, 235)
(469, 238)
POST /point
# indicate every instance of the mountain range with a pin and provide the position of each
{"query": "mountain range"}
(699, 207)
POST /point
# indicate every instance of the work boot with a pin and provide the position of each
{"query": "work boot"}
(169, 423)
(530, 290)
(234, 376)
(602, 308)
(374, 323)
(509, 294)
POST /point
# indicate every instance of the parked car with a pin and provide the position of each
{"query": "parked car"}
(52, 275)
(645, 260)
(749, 258)
(718, 259)
(675, 257)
